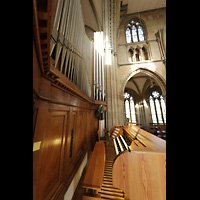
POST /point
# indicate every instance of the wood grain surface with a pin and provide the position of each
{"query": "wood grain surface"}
(141, 175)
(94, 176)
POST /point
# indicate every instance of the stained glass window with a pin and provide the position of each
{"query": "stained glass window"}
(153, 113)
(141, 33)
(158, 109)
(163, 107)
(155, 94)
(132, 110)
(135, 31)
(159, 114)
(134, 34)
(129, 107)
(128, 35)
(126, 95)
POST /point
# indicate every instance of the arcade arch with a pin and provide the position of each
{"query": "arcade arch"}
(140, 84)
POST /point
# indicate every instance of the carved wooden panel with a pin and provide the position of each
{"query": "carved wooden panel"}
(51, 152)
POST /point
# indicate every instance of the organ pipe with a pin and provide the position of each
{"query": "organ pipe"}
(98, 66)
(73, 48)
(56, 23)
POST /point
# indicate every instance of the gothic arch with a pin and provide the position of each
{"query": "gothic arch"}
(161, 82)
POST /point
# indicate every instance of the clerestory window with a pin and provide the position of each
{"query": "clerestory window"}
(135, 32)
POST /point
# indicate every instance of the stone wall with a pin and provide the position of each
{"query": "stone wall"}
(121, 68)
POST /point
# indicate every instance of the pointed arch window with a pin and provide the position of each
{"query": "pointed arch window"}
(134, 34)
(129, 108)
(128, 35)
(158, 108)
(135, 31)
(140, 33)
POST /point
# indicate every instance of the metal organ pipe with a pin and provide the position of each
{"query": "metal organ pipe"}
(100, 89)
(61, 31)
(55, 27)
(65, 43)
(94, 73)
(98, 66)
(73, 48)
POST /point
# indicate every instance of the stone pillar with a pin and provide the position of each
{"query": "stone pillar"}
(112, 117)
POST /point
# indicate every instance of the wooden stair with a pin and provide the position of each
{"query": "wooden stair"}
(108, 191)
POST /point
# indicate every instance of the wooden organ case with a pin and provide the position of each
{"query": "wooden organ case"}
(139, 168)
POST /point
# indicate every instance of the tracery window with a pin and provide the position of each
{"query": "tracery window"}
(129, 108)
(135, 32)
(158, 108)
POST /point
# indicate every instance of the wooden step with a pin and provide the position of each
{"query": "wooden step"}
(108, 171)
(107, 179)
(107, 174)
(111, 189)
(108, 168)
(108, 165)
(111, 197)
(108, 186)
(110, 177)
(111, 193)
(108, 182)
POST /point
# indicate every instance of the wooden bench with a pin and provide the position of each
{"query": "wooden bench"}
(94, 175)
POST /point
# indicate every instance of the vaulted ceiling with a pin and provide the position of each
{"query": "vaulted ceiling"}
(135, 6)
(92, 14)
(140, 82)
(93, 10)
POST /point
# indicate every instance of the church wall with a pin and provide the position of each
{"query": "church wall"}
(154, 20)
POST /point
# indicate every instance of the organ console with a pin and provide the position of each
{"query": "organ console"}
(129, 137)
(139, 168)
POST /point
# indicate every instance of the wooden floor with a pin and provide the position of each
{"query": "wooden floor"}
(110, 155)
